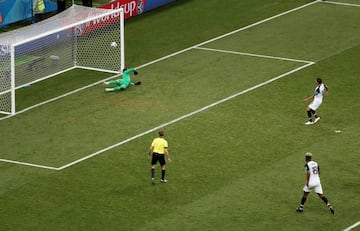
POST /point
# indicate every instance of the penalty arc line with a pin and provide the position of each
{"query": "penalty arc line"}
(186, 116)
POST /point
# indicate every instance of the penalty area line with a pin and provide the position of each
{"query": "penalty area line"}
(340, 3)
(186, 116)
(163, 58)
(28, 164)
(162, 125)
(253, 55)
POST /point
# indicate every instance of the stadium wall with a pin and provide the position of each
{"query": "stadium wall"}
(14, 10)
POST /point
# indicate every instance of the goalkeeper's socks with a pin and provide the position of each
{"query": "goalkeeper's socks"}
(109, 89)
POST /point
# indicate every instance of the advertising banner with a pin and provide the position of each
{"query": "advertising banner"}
(135, 7)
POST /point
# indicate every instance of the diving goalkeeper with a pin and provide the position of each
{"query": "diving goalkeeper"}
(124, 82)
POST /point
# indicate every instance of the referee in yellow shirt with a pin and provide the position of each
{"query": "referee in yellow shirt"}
(158, 150)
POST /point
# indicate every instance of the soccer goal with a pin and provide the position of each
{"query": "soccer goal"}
(79, 37)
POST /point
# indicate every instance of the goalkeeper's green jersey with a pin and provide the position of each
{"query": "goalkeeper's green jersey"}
(125, 79)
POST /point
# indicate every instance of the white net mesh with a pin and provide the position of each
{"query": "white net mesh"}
(5, 80)
(78, 37)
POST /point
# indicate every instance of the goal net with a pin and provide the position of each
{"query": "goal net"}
(79, 37)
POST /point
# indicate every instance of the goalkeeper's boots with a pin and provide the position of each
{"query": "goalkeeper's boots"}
(138, 83)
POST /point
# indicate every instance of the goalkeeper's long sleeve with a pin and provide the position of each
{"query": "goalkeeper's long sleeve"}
(128, 71)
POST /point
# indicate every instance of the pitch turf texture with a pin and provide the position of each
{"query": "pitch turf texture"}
(237, 163)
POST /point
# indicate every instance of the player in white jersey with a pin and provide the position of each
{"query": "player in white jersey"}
(320, 90)
(312, 183)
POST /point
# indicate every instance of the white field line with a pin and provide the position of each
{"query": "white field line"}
(28, 164)
(353, 226)
(161, 59)
(187, 115)
(257, 23)
(173, 121)
(341, 3)
(58, 97)
(162, 125)
(228, 34)
(254, 55)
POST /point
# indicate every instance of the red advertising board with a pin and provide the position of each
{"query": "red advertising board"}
(131, 7)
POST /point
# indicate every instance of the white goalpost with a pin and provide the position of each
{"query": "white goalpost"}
(79, 37)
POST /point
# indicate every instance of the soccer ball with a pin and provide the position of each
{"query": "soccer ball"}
(113, 44)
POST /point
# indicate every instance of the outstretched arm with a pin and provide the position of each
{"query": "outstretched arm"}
(128, 71)
(309, 98)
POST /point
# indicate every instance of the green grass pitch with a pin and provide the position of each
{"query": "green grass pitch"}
(232, 110)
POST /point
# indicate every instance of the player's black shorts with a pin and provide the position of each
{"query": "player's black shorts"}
(158, 157)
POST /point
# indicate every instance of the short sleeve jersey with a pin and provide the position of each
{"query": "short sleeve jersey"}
(313, 168)
(159, 145)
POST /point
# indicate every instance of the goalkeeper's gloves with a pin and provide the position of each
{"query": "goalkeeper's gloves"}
(135, 72)
(138, 83)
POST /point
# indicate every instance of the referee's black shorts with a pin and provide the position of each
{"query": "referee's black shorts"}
(158, 157)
